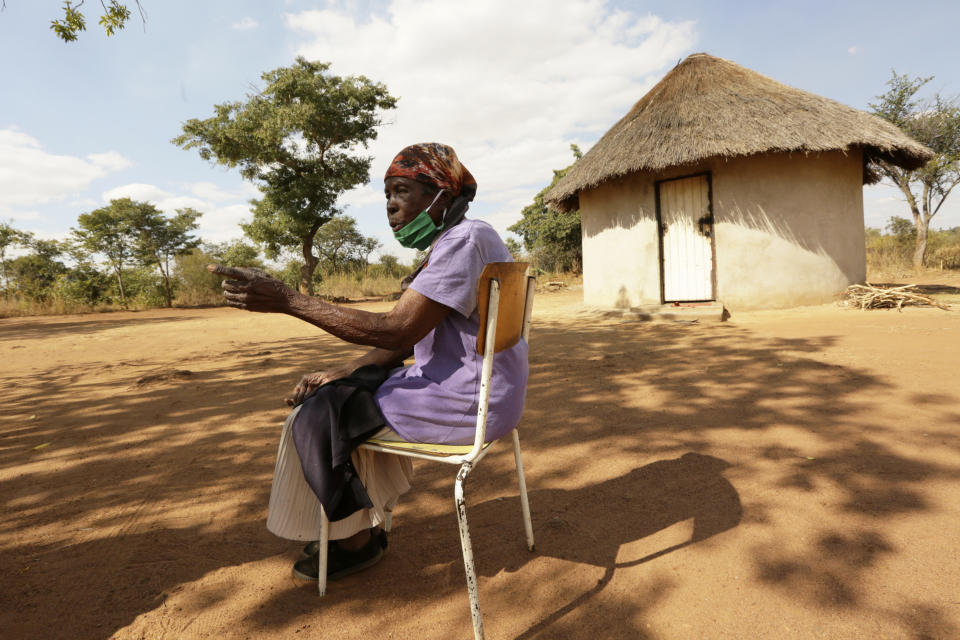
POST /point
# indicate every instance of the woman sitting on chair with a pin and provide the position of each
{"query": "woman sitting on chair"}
(433, 400)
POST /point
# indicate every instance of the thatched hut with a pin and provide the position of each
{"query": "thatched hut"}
(722, 184)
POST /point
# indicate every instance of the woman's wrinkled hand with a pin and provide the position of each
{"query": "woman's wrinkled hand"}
(253, 290)
(311, 381)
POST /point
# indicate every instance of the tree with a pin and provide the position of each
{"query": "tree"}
(935, 123)
(109, 231)
(340, 245)
(389, 266)
(238, 253)
(296, 140)
(114, 18)
(10, 238)
(516, 251)
(36, 272)
(551, 237)
(160, 239)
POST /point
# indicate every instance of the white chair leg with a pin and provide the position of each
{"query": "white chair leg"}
(323, 544)
(524, 502)
(387, 520)
(467, 549)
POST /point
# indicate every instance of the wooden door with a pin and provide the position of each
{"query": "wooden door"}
(686, 239)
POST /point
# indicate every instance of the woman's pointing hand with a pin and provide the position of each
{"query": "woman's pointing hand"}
(253, 290)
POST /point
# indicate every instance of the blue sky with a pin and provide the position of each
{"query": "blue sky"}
(510, 85)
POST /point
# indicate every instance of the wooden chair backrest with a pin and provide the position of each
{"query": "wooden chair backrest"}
(512, 277)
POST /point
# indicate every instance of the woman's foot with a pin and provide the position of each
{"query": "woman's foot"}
(312, 548)
(343, 561)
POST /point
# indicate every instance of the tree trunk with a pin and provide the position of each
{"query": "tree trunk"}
(167, 290)
(123, 296)
(921, 220)
(309, 262)
(920, 250)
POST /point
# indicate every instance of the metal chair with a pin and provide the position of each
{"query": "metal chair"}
(505, 300)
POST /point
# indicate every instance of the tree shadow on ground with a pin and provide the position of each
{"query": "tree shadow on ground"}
(100, 514)
(43, 327)
(927, 289)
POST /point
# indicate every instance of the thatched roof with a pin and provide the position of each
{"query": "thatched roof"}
(708, 107)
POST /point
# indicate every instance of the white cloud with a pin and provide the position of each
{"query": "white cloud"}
(30, 175)
(245, 24)
(210, 191)
(23, 216)
(110, 161)
(137, 191)
(854, 50)
(509, 95)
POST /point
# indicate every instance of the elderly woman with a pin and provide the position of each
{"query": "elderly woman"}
(433, 400)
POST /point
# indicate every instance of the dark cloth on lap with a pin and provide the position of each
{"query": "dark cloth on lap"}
(333, 421)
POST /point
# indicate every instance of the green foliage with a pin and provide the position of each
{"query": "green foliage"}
(340, 246)
(238, 253)
(552, 238)
(289, 272)
(10, 238)
(296, 140)
(514, 248)
(389, 267)
(935, 123)
(159, 239)
(196, 285)
(35, 273)
(82, 285)
(114, 18)
(130, 232)
(901, 228)
(109, 232)
(145, 288)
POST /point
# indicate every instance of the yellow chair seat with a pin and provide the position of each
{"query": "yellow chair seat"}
(424, 447)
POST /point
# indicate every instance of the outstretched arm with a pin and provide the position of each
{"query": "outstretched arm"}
(413, 317)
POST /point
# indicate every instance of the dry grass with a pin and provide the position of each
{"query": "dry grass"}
(345, 286)
(22, 307)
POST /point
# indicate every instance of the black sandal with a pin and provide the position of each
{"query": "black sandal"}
(342, 562)
(313, 548)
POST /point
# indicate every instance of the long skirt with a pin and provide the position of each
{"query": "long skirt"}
(294, 511)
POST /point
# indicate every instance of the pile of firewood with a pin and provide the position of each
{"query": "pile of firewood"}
(867, 296)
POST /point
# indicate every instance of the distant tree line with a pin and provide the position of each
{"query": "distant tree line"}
(120, 254)
(893, 248)
(129, 254)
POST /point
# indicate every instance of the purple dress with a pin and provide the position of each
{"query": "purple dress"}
(435, 399)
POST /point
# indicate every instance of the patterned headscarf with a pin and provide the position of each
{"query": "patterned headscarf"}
(434, 164)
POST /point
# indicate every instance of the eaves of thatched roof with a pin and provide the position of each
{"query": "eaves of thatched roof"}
(707, 107)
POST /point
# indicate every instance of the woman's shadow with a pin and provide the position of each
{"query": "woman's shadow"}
(590, 525)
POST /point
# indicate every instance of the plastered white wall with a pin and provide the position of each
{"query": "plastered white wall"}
(788, 231)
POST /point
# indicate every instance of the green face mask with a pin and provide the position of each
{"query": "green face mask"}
(419, 232)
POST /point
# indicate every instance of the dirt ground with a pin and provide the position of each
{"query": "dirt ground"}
(787, 474)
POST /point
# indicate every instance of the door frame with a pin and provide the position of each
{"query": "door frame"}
(713, 235)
